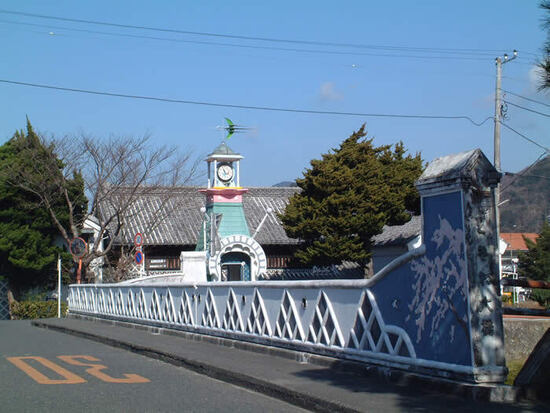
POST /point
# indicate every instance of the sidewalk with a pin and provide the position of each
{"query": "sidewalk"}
(313, 382)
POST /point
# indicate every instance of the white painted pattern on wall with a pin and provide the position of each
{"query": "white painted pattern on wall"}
(370, 333)
(258, 321)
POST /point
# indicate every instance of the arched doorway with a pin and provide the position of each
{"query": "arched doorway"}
(236, 250)
(235, 266)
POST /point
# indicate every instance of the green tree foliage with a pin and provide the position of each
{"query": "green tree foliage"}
(348, 196)
(542, 297)
(535, 263)
(544, 64)
(27, 230)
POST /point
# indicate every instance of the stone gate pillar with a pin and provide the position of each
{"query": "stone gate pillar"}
(458, 204)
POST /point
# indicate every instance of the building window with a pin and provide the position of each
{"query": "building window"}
(278, 261)
(162, 263)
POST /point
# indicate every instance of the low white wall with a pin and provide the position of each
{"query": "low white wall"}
(193, 266)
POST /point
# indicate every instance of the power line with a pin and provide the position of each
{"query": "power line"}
(527, 109)
(257, 38)
(531, 53)
(522, 173)
(525, 137)
(529, 176)
(246, 46)
(234, 106)
(526, 98)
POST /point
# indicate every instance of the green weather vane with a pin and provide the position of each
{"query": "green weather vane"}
(231, 128)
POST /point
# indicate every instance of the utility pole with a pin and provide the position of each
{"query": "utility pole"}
(498, 105)
(498, 113)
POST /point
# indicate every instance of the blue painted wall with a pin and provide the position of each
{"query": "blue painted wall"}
(428, 296)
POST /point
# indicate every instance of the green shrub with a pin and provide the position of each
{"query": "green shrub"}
(29, 310)
(542, 297)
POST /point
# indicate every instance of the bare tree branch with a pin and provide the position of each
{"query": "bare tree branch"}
(116, 172)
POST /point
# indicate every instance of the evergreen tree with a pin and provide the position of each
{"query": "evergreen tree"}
(535, 263)
(544, 63)
(348, 196)
(27, 231)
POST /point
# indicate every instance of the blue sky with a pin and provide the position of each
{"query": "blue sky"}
(280, 146)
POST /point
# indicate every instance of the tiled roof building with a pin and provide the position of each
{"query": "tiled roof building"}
(515, 244)
(515, 240)
(181, 222)
(178, 227)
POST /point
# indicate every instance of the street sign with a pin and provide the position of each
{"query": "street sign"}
(138, 239)
(78, 247)
(139, 257)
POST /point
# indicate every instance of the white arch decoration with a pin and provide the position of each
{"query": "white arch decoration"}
(244, 244)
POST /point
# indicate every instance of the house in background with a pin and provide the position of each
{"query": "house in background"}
(399, 239)
(198, 219)
(515, 244)
(181, 227)
(395, 240)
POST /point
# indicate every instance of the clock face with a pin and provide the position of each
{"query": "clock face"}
(225, 172)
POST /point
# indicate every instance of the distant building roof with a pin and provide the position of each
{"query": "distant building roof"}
(399, 234)
(182, 221)
(515, 240)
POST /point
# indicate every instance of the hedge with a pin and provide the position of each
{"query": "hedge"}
(28, 310)
(542, 297)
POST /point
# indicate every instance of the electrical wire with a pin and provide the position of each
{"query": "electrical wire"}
(530, 176)
(531, 53)
(526, 98)
(257, 38)
(527, 109)
(522, 173)
(246, 46)
(525, 137)
(234, 106)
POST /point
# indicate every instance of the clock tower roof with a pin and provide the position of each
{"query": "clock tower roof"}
(223, 152)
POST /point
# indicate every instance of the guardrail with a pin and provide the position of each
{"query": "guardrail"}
(340, 319)
(434, 310)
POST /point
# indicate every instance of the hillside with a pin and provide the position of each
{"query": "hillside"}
(528, 192)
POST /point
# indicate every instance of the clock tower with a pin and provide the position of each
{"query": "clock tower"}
(232, 255)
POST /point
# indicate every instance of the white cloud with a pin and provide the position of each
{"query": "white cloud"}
(328, 92)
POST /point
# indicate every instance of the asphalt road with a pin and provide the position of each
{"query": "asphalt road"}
(46, 371)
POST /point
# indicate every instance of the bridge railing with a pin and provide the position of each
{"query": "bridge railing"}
(340, 319)
(435, 310)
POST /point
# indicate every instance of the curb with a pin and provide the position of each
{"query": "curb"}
(475, 392)
(296, 398)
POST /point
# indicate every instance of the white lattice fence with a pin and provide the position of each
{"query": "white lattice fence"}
(4, 303)
(442, 295)
(342, 322)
